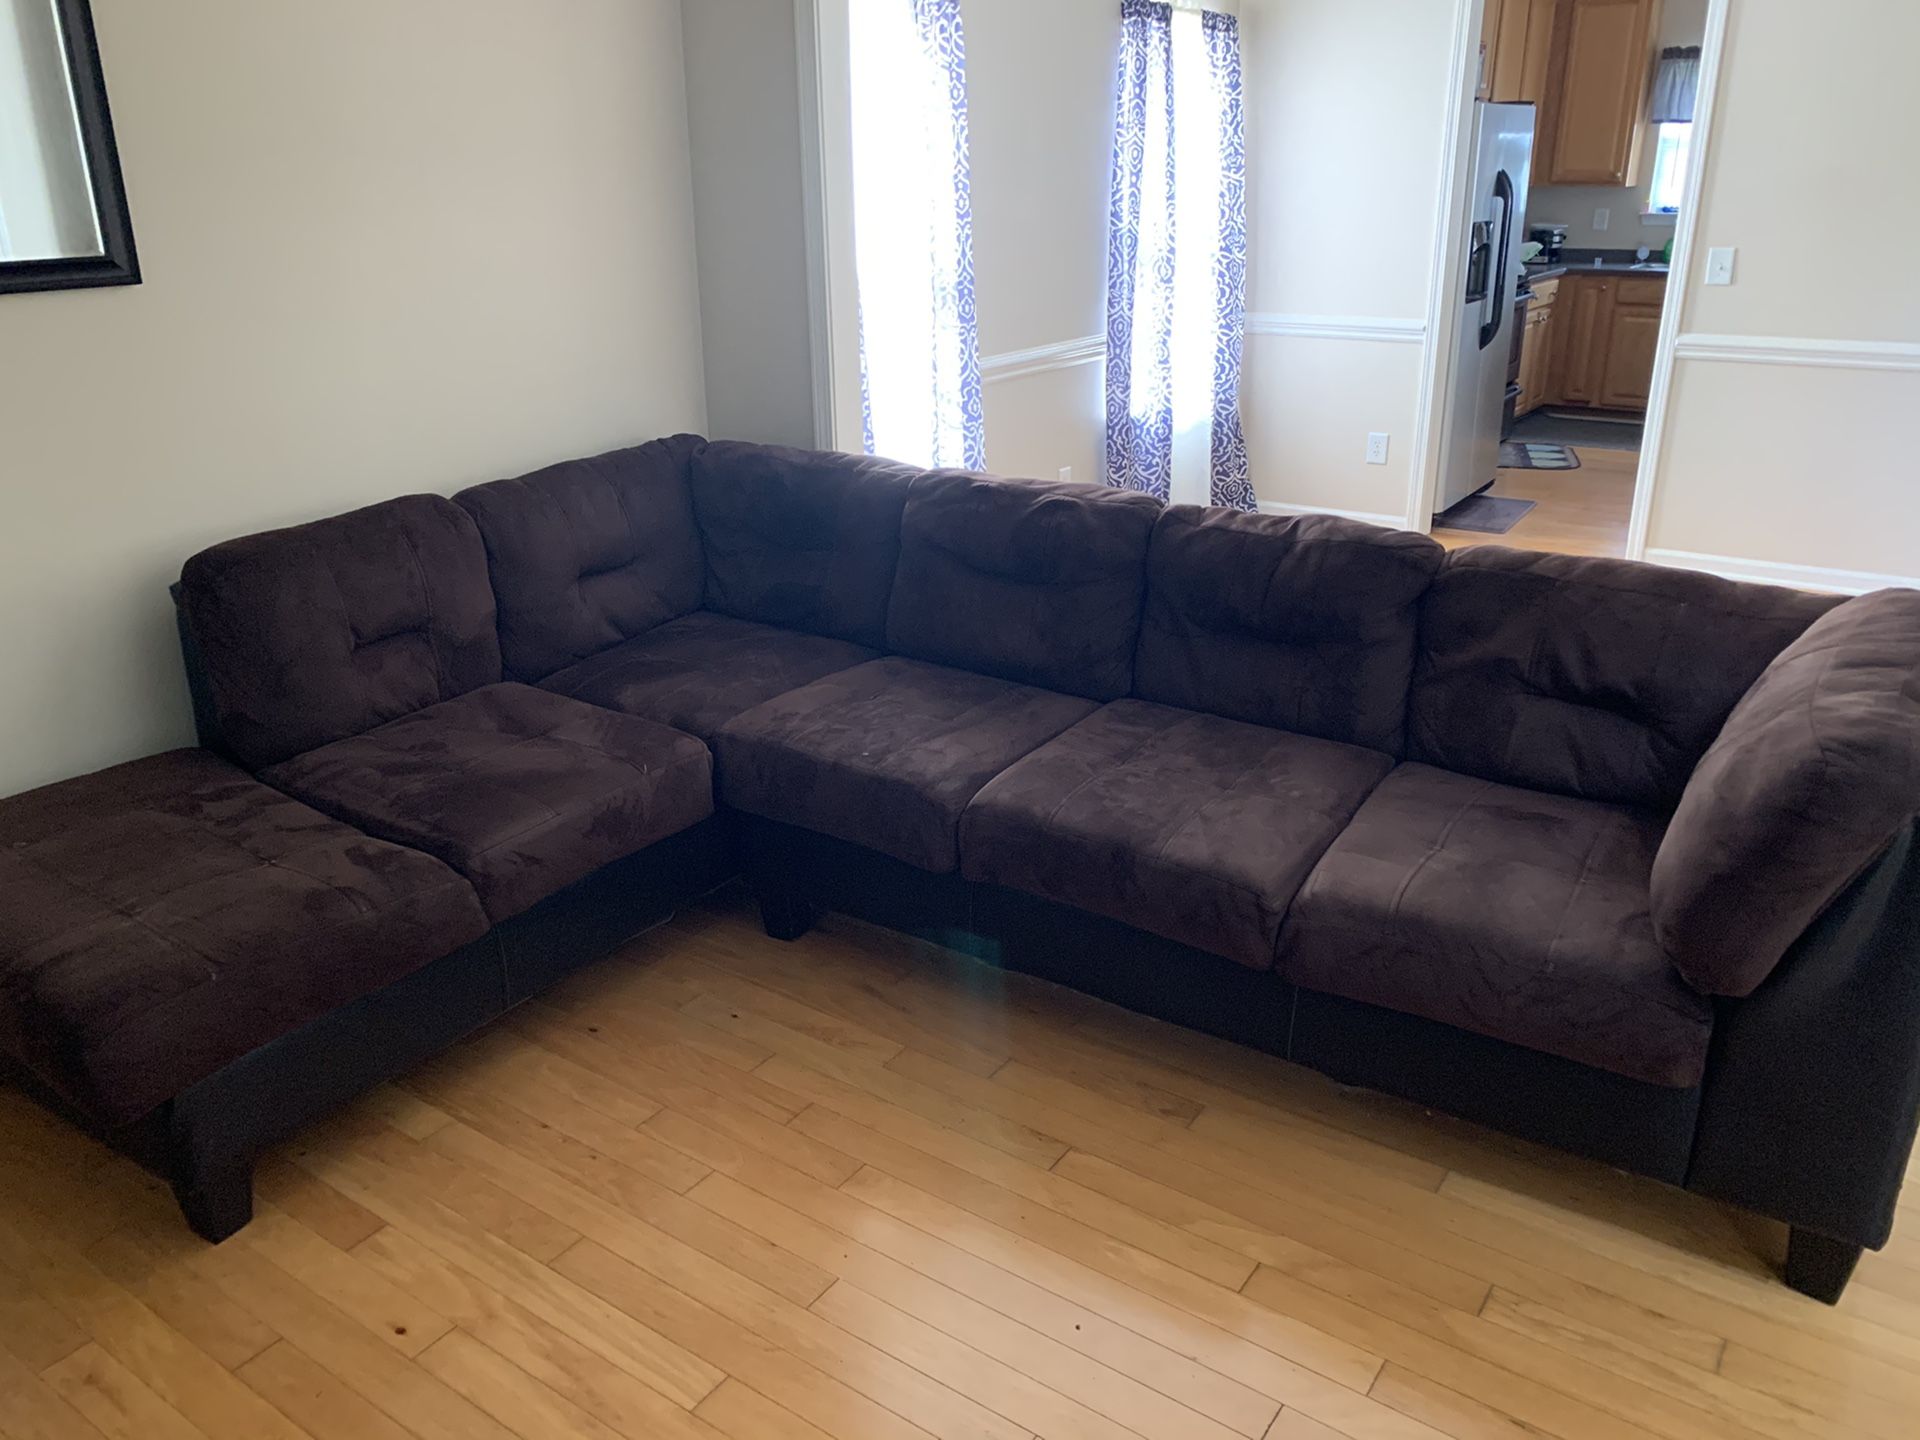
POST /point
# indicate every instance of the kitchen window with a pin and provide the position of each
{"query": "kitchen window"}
(1673, 151)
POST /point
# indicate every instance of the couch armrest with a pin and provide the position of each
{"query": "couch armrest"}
(1813, 1085)
(1815, 773)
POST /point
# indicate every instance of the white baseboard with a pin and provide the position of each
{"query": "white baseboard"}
(1772, 572)
(1368, 517)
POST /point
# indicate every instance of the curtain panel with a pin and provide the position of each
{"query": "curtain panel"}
(1676, 85)
(1177, 258)
(919, 329)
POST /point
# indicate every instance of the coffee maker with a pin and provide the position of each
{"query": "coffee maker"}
(1552, 240)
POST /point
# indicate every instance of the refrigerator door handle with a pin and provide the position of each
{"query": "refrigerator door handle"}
(1497, 281)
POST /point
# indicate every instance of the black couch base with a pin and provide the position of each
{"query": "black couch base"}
(204, 1142)
(1644, 1129)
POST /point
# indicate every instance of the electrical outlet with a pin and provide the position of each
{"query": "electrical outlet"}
(1602, 219)
(1377, 448)
(1066, 473)
(1720, 265)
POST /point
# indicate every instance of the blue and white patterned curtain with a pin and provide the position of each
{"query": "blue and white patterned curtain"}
(913, 226)
(1231, 484)
(1177, 258)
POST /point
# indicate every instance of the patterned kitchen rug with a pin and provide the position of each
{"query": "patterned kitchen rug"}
(1537, 455)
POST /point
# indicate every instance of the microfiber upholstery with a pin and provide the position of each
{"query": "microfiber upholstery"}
(1515, 914)
(1602, 679)
(1194, 827)
(520, 791)
(698, 672)
(1035, 582)
(800, 539)
(166, 917)
(1816, 773)
(1307, 623)
(886, 755)
(589, 553)
(322, 631)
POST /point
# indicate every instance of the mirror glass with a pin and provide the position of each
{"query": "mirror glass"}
(46, 193)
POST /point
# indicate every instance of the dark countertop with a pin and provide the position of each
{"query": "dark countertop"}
(1597, 262)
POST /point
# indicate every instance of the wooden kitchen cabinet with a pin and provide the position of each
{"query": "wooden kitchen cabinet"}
(1595, 92)
(1633, 335)
(1518, 41)
(1537, 350)
(1607, 335)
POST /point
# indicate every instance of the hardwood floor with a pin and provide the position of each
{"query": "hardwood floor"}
(1581, 512)
(858, 1187)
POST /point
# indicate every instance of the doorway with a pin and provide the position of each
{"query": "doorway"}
(1622, 95)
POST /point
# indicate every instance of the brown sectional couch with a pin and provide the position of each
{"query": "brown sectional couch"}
(1613, 857)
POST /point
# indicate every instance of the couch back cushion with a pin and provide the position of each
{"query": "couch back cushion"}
(1031, 581)
(309, 635)
(802, 539)
(1305, 623)
(1816, 773)
(588, 553)
(1603, 679)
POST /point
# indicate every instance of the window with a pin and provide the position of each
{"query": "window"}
(913, 234)
(1673, 149)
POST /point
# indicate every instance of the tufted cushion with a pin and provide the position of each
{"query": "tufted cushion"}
(798, 538)
(1507, 912)
(1305, 623)
(1031, 581)
(1191, 826)
(319, 632)
(167, 917)
(520, 791)
(698, 672)
(588, 553)
(1815, 775)
(887, 754)
(1598, 678)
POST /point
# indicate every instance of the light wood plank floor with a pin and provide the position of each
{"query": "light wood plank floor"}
(1581, 512)
(858, 1187)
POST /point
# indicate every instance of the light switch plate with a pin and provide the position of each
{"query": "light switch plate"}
(1720, 265)
(1377, 448)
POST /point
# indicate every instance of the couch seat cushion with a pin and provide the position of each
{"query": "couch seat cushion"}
(1191, 826)
(698, 672)
(1512, 913)
(887, 754)
(167, 917)
(520, 791)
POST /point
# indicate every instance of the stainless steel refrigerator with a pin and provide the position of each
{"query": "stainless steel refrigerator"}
(1486, 295)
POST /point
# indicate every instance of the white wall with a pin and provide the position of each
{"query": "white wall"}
(1810, 463)
(743, 110)
(387, 247)
(1682, 22)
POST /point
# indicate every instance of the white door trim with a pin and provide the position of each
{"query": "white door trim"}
(821, 38)
(1685, 235)
(1442, 323)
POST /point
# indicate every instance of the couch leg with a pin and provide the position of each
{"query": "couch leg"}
(785, 915)
(1819, 1267)
(217, 1199)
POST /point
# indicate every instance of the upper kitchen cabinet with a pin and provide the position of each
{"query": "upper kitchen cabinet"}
(1516, 50)
(1594, 103)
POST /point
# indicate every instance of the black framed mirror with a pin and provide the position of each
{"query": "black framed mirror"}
(63, 207)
